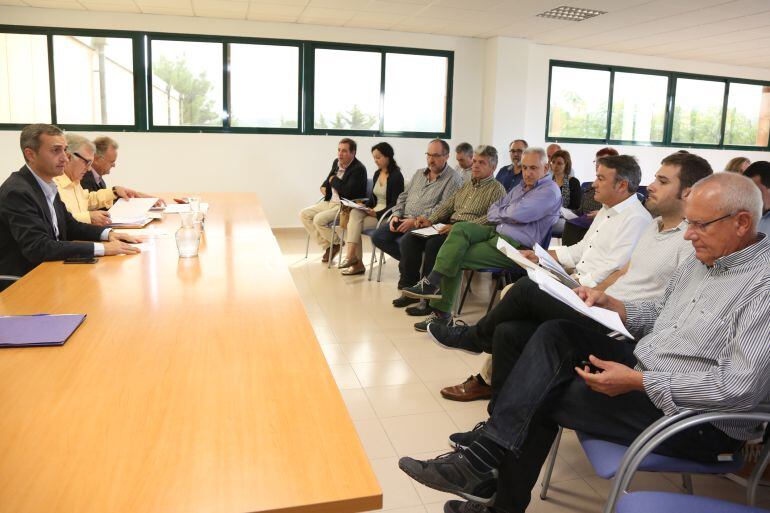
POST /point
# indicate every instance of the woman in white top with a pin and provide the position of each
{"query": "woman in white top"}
(388, 183)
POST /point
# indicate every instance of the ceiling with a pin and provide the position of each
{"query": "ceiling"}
(731, 32)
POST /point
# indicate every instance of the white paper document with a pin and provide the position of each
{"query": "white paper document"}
(568, 214)
(178, 208)
(567, 296)
(430, 231)
(550, 263)
(514, 254)
(145, 233)
(133, 211)
(353, 204)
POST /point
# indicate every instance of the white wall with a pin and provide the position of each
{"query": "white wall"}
(285, 170)
(500, 93)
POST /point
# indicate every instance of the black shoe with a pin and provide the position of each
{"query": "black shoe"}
(460, 336)
(453, 473)
(433, 317)
(423, 289)
(402, 301)
(465, 507)
(464, 440)
(420, 310)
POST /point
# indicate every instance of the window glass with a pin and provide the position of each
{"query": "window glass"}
(186, 83)
(748, 115)
(94, 80)
(415, 93)
(697, 111)
(347, 90)
(264, 85)
(638, 107)
(24, 100)
(578, 103)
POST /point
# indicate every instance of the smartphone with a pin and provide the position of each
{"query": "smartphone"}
(81, 260)
(593, 369)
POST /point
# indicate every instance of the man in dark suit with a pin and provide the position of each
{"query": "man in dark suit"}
(35, 226)
(347, 179)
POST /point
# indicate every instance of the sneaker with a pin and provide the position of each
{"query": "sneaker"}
(402, 301)
(464, 440)
(433, 317)
(453, 473)
(423, 289)
(420, 310)
(460, 336)
(465, 507)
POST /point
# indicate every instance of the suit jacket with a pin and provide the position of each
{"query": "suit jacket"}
(90, 184)
(351, 186)
(26, 232)
(394, 186)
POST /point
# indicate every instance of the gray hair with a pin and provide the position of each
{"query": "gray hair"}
(540, 152)
(465, 148)
(103, 144)
(484, 150)
(30, 136)
(76, 142)
(736, 194)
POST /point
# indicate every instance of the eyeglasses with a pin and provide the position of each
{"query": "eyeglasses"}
(700, 227)
(436, 155)
(81, 157)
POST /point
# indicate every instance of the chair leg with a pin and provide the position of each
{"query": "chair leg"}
(339, 256)
(687, 483)
(498, 281)
(371, 262)
(307, 246)
(379, 269)
(467, 288)
(331, 245)
(549, 465)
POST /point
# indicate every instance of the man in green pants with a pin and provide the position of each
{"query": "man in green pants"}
(522, 217)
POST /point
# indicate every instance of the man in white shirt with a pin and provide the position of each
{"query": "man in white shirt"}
(659, 251)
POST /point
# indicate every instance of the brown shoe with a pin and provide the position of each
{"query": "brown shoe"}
(335, 250)
(325, 258)
(470, 390)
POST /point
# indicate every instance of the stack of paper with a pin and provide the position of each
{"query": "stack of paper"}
(178, 208)
(430, 231)
(132, 212)
(550, 263)
(353, 204)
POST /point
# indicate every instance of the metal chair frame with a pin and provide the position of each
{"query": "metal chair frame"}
(384, 218)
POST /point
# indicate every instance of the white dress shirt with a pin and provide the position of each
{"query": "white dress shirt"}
(608, 244)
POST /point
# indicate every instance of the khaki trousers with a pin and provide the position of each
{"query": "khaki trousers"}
(359, 222)
(316, 219)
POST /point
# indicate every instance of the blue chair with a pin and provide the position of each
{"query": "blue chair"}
(615, 460)
(665, 502)
(502, 277)
(641, 193)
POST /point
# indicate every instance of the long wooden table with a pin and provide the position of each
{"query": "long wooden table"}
(194, 385)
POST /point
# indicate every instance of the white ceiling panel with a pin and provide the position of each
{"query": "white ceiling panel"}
(281, 10)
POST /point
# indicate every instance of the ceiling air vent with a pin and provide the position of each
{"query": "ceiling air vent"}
(568, 13)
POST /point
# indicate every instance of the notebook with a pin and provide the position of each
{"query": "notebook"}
(38, 330)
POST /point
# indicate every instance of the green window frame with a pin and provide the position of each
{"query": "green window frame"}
(669, 111)
(142, 67)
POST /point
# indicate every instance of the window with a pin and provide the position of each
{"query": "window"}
(28, 100)
(638, 107)
(748, 115)
(264, 88)
(578, 104)
(187, 83)
(415, 93)
(697, 111)
(94, 80)
(347, 90)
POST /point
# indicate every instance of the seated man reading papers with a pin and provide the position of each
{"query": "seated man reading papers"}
(522, 218)
(702, 345)
(34, 224)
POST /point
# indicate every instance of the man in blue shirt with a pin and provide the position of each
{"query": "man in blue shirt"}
(760, 172)
(510, 176)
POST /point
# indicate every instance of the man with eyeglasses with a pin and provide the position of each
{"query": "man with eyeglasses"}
(82, 204)
(702, 346)
(510, 176)
(35, 226)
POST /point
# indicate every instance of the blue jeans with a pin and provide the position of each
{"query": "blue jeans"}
(543, 392)
(386, 240)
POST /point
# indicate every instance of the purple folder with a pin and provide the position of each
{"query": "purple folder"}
(38, 330)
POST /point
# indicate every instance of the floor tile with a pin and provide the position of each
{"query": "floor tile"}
(358, 404)
(415, 434)
(435, 387)
(399, 400)
(373, 437)
(345, 376)
(334, 354)
(445, 367)
(380, 374)
(370, 351)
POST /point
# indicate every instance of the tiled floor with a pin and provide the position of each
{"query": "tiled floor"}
(390, 376)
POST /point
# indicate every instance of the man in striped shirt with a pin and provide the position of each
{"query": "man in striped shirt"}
(703, 345)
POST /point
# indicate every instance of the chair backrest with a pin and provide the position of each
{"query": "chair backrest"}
(641, 193)
(585, 186)
(369, 187)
